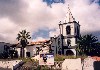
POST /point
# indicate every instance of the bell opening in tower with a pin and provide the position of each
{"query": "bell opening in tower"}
(68, 43)
(68, 30)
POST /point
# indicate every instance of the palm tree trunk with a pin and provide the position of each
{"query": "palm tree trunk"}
(22, 52)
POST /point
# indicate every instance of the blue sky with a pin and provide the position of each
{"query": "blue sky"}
(41, 17)
(49, 2)
(42, 33)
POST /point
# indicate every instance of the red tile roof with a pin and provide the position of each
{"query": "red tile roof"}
(39, 42)
(96, 58)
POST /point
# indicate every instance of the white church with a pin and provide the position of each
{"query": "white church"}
(66, 42)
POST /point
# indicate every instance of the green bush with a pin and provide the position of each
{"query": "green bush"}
(43, 68)
(63, 57)
(27, 60)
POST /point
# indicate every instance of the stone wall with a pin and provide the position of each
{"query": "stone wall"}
(77, 64)
(91, 64)
(88, 64)
(10, 64)
(72, 64)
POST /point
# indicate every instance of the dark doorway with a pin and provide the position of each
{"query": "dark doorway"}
(69, 52)
(27, 54)
(59, 52)
(96, 65)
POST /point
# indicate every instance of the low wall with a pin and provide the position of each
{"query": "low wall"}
(90, 63)
(10, 64)
(72, 64)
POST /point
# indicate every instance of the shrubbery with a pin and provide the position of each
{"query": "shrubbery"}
(63, 57)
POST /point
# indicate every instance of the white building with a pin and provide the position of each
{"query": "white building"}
(29, 50)
(35, 48)
(66, 41)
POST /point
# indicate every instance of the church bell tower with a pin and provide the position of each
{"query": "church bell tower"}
(70, 30)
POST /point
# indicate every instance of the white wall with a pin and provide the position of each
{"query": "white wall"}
(45, 50)
(72, 33)
(75, 64)
(31, 49)
(18, 50)
(88, 64)
(61, 28)
(72, 28)
(73, 41)
(64, 29)
(64, 42)
(72, 25)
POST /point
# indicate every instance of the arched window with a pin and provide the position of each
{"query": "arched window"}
(68, 29)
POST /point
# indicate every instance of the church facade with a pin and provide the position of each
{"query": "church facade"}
(66, 42)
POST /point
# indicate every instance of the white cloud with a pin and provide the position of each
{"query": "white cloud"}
(35, 14)
(84, 12)
(87, 14)
(7, 30)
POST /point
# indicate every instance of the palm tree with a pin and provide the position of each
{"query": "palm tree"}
(23, 37)
(87, 44)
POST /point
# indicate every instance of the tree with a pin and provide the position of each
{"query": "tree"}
(23, 37)
(87, 44)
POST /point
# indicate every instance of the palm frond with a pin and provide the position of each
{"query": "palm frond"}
(23, 36)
